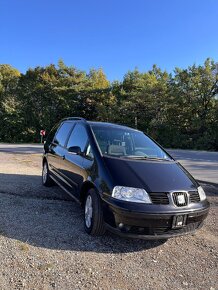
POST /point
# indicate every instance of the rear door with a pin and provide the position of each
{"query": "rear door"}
(72, 164)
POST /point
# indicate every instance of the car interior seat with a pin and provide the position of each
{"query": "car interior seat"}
(116, 150)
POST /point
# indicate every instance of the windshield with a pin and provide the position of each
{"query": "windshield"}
(129, 143)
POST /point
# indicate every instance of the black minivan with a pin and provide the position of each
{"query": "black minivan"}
(123, 179)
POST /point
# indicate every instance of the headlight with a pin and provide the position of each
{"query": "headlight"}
(131, 194)
(201, 193)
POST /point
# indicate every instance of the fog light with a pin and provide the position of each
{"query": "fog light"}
(121, 225)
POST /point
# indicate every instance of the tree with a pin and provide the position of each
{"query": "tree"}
(193, 93)
(9, 106)
(179, 110)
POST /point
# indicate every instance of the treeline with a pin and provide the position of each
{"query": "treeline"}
(179, 110)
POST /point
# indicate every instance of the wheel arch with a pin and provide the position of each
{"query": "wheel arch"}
(87, 185)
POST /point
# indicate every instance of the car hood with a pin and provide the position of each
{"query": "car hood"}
(152, 175)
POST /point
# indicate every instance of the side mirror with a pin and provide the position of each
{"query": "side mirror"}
(75, 150)
(55, 141)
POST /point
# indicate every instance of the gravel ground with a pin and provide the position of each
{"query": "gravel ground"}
(43, 244)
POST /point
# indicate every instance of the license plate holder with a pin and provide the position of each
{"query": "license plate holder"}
(179, 221)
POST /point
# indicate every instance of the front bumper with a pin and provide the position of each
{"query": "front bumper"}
(152, 221)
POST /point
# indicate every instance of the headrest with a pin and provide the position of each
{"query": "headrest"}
(116, 150)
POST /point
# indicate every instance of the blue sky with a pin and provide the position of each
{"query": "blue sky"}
(117, 35)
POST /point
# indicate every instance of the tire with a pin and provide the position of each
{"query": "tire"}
(46, 179)
(93, 215)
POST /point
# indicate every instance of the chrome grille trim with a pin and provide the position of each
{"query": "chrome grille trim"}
(194, 196)
(175, 198)
(159, 197)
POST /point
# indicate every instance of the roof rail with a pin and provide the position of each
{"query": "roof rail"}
(74, 118)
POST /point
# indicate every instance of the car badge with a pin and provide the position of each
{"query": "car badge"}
(181, 199)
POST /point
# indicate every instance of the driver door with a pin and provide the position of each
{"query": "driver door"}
(72, 164)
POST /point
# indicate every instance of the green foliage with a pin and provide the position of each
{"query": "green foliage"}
(9, 105)
(179, 110)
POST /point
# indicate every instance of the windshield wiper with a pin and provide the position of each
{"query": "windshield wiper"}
(146, 157)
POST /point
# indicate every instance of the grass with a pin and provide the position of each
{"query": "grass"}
(24, 247)
(47, 266)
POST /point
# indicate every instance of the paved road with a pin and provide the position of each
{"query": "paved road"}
(21, 148)
(202, 165)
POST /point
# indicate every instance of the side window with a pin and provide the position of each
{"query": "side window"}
(78, 137)
(63, 133)
(51, 134)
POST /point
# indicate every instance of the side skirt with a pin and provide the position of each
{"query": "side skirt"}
(67, 191)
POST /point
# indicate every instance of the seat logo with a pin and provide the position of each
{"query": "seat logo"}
(180, 198)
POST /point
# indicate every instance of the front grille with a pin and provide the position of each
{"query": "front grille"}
(159, 197)
(179, 200)
(194, 196)
(162, 197)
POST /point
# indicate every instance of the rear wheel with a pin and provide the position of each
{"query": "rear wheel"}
(46, 179)
(93, 215)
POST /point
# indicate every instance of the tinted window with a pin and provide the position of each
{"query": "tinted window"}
(63, 133)
(78, 137)
(51, 134)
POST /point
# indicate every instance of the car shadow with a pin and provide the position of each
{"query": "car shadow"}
(46, 217)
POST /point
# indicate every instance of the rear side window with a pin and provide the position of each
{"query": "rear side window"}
(63, 133)
(51, 134)
(78, 137)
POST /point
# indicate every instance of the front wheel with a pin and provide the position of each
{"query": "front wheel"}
(93, 215)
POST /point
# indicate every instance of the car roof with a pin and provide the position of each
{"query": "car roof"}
(102, 124)
(106, 124)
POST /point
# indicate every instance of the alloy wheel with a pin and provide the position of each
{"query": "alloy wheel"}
(88, 211)
(44, 173)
